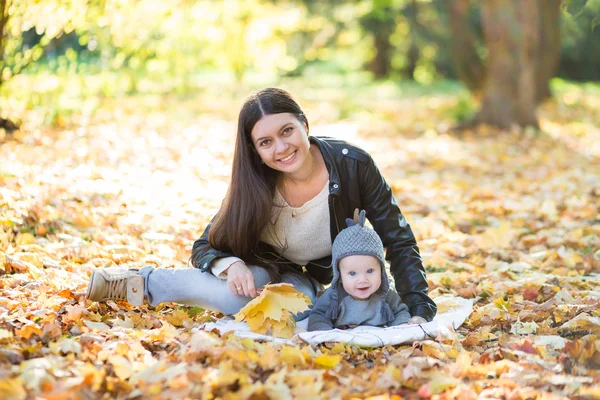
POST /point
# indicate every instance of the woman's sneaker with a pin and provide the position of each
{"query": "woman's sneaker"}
(116, 283)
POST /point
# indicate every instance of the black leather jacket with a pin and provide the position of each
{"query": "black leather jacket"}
(354, 182)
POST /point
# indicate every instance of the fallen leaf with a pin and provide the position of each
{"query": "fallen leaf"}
(28, 330)
(100, 326)
(12, 389)
(122, 366)
(328, 360)
(272, 310)
(496, 237)
(292, 356)
(581, 323)
(523, 328)
(178, 318)
(5, 334)
(25, 238)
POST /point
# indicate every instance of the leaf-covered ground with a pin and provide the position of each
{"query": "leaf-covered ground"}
(510, 219)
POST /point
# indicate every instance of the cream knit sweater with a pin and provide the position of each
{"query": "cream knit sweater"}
(299, 234)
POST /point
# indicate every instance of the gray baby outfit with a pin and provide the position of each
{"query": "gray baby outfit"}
(336, 308)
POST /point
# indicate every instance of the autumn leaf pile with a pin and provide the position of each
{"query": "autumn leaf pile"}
(510, 219)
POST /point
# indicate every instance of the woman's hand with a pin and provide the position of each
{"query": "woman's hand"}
(416, 320)
(241, 280)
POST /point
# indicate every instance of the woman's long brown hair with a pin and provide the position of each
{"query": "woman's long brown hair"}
(247, 206)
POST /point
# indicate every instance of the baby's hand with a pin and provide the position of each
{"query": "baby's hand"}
(416, 320)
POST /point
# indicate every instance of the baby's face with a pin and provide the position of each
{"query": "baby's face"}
(360, 275)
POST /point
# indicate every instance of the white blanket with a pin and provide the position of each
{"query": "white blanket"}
(452, 312)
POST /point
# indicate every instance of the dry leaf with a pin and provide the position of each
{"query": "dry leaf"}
(523, 328)
(581, 323)
(272, 310)
(328, 360)
(100, 326)
(12, 389)
(292, 356)
(496, 238)
(122, 366)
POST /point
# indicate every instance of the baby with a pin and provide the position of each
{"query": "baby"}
(360, 292)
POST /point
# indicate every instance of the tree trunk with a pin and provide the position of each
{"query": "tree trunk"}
(511, 32)
(381, 64)
(411, 60)
(467, 62)
(529, 17)
(381, 23)
(3, 23)
(6, 124)
(413, 54)
(549, 49)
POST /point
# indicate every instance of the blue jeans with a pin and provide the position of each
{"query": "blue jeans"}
(190, 286)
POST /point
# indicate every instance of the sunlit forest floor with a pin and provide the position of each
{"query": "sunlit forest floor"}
(510, 219)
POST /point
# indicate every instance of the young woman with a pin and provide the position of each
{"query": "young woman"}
(289, 196)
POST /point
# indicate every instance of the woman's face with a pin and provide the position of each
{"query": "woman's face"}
(281, 141)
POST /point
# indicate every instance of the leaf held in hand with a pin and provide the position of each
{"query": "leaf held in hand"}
(272, 310)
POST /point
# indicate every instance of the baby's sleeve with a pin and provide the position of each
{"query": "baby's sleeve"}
(400, 310)
(318, 320)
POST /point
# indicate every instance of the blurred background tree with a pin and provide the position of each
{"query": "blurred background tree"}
(504, 51)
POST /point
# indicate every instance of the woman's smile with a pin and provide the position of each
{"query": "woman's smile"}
(289, 158)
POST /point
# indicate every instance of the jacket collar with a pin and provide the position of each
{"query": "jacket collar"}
(329, 157)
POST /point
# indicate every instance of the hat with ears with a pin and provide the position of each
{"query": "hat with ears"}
(357, 239)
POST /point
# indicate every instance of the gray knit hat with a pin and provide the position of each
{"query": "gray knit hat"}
(357, 239)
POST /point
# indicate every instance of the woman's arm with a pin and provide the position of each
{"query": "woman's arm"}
(203, 254)
(401, 247)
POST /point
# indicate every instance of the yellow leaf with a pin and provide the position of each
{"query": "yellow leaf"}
(31, 258)
(257, 323)
(502, 304)
(121, 366)
(12, 389)
(178, 318)
(338, 348)
(83, 221)
(93, 376)
(582, 323)
(439, 382)
(328, 360)
(499, 237)
(438, 350)
(28, 330)
(284, 330)
(306, 384)
(25, 239)
(292, 356)
(592, 392)
(271, 311)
